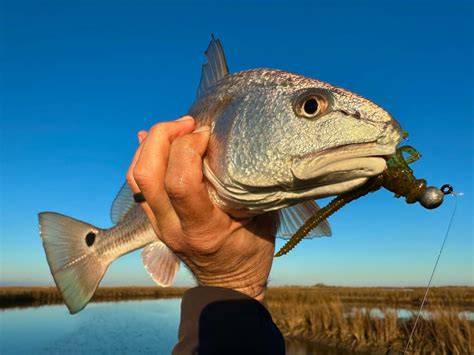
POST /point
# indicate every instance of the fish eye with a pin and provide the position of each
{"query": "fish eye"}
(310, 106)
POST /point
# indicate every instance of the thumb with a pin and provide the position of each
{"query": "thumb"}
(184, 180)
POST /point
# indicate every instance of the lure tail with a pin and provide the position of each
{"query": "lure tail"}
(75, 267)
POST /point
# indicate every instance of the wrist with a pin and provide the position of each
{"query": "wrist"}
(256, 293)
(249, 286)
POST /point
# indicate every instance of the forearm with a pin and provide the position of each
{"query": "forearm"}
(217, 320)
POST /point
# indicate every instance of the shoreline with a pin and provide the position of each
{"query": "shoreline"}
(36, 296)
(453, 296)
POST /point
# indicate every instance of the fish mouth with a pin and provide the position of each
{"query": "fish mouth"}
(323, 174)
(340, 165)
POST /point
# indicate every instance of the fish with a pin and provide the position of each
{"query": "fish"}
(278, 142)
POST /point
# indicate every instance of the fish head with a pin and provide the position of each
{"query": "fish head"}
(279, 139)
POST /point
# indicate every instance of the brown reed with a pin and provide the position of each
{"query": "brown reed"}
(345, 317)
(37, 296)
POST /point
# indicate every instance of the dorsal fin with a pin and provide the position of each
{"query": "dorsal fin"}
(215, 68)
(123, 202)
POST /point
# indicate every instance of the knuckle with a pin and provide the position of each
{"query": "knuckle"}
(142, 176)
(177, 187)
(160, 128)
(180, 178)
(163, 127)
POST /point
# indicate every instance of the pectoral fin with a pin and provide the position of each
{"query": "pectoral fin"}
(292, 218)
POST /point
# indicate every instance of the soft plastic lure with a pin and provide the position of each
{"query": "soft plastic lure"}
(398, 178)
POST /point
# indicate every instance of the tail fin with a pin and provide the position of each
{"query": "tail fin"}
(76, 268)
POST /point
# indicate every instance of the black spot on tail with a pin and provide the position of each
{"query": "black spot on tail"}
(90, 239)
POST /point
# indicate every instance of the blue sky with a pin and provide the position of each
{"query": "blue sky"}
(80, 79)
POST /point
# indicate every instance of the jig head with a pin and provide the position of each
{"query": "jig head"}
(397, 178)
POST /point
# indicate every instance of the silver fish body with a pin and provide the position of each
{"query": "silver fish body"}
(262, 156)
(278, 141)
(133, 232)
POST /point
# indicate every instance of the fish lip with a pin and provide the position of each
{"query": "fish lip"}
(312, 168)
(385, 150)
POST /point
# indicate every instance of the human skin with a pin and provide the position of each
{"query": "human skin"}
(220, 250)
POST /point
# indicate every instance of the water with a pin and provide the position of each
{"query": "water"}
(403, 313)
(149, 326)
(138, 327)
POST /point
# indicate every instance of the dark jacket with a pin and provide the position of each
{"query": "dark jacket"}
(218, 320)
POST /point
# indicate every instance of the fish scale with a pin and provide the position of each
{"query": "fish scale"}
(134, 232)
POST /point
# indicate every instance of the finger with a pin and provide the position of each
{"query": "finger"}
(130, 180)
(184, 179)
(150, 168)
(142, 135)
(133, 184)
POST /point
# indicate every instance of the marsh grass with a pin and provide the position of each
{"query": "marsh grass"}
(37, 296)
(342, 317)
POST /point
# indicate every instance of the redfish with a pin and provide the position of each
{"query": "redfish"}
(278, 142)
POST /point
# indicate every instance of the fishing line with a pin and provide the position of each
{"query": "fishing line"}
(434, 270)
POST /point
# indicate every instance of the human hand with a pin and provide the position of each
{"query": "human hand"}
(220, 250)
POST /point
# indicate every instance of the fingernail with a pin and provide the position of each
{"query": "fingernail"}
(202, 129)
(184, 118)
